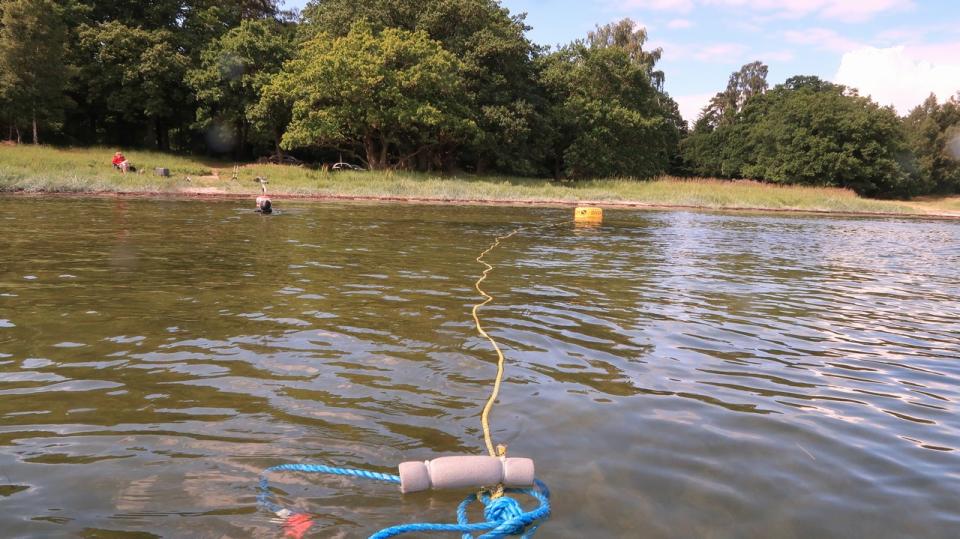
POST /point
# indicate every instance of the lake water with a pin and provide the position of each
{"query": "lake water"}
(673, 374)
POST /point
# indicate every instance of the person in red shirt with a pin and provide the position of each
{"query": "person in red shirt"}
(120, 162)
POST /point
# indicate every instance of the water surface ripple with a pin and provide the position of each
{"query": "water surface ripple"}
(674, 374)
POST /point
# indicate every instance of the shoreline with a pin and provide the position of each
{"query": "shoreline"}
(27, 171)
(200, 194)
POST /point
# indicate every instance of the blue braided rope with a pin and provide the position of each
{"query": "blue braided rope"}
(319, 468)
(504, 515)
(264, 496)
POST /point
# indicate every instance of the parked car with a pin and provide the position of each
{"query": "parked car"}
(282, 159)
(343, 165)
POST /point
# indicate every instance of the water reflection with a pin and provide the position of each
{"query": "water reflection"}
(674, 373)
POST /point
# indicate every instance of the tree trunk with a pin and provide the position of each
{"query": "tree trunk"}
(36, 138)
(423, 161)
(449, 162)
(369, 145)
(17, 128)
(277, 136)
(483, 164)
(163, 141)
(241, 150)
(384, 145)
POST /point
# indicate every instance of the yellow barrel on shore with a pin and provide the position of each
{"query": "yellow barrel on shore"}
(588, 214)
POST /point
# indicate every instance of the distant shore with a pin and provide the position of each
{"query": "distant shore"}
(32, 171)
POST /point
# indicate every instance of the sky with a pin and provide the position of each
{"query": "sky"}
(896, 51)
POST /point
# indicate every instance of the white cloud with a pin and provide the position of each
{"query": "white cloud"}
(778, 56)
(822, 38)
(717, 51)
(678, 24)
(843, 10)
(902, 76)
(722, 53)
(691, 105)
(856, 10)
(682, 6)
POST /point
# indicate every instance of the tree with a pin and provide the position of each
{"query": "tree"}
(749, 81)
(609, 118)
(497, 71)
(629, 37)
(197, 23)
(32, 37)
(812, 132)
(608, 114)
(394, 94)
(826, 137)
(933, 133)
(137, 76)
(233, 73)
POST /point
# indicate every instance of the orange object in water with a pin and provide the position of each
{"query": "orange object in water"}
(588, 214)
(297, 525)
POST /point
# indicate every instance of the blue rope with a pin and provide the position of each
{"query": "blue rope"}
(504, 515)
(264, 496)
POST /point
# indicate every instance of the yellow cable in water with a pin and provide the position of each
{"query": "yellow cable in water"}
(485, 416)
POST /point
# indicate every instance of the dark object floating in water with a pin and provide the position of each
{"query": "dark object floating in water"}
(264, 205)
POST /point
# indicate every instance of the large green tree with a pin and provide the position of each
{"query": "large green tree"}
(32, 70)
(137, 77)
(629, 37)
(496, 67)
(808, 131)
(608, 114)
(234, 70)
(933, 132)
(707, 149)
(749, 81)
(181, 29)
(392, 94)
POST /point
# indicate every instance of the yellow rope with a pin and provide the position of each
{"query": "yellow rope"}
(485, 416)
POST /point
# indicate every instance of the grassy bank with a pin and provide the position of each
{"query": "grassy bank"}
(51, 170)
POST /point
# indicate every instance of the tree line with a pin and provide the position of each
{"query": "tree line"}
(810, 131)
(435, 85)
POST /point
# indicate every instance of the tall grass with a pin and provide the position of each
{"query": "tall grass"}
(46, 169)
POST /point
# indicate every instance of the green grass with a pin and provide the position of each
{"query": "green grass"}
(45, 169)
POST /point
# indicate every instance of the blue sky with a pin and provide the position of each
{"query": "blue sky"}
(897, 51)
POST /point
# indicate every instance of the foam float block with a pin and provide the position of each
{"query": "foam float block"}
(465, 472)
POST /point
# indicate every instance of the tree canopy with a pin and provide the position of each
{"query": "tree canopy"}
(610, 118)
(437, 85)
(933, 134)
(32, 45)
(804, 131)
(396, 91)
(234, 70)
